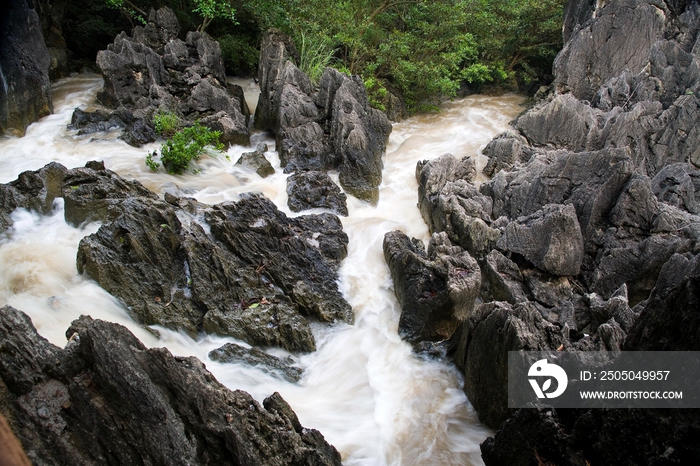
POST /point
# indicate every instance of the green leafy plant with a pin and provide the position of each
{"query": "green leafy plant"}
(166, 123)
(129, 9)
(186, 146)
(209, 10)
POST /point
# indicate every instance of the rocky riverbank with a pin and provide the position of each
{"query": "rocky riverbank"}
(587, 236)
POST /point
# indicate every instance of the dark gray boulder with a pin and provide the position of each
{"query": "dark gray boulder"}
(231, 352)
(309, 190)
(92, 193)
(550, 239)
(490, 331)
(241, 269)
(237, 269)
(358, 135)
(107, 399)
(25, 89)
(678, 185)
(154, 70)
(257, 161)
(436, 289)
(332, 127)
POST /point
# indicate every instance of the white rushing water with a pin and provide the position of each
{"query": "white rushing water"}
(364, 389)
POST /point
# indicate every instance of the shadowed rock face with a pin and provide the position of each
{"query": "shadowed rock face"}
(332, 127)
(106, 399)
(308, 190)
(241, 269)
(587, 236)
(154, 70)
(25, 89)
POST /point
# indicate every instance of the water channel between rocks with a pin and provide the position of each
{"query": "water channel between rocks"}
(375, 400)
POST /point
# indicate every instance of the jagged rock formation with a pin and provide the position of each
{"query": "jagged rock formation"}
(25, 89)
(240, 269)
(153, 70)
(332, 127)
(587, 235)
(436, 289)
(106, 399)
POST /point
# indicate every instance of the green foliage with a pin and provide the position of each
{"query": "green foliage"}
(129, 9)
(166, 123)
(184, 147)
(212, 9)
(315, 54)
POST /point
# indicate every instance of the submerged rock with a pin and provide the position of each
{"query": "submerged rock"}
(107, 399)
(231, 352)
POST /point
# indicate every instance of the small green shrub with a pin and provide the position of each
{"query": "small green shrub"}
(166, 123)
(185, 146)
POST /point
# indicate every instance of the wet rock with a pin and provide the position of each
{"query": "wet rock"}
(91, 193)
(154, 70)
(109, 400)
(231, 352)
(333, 127)
(25, 89)
(436, 289)
(32, 190)
(238, 269)
(550, 239)
(257, 161)
(263, 325)
(309, 190)
(490, 331)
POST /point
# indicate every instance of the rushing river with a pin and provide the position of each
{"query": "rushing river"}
(364, 389)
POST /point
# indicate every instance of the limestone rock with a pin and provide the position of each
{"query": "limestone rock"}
(257, 161)
(308, 190)
(107, 399)
(231, 352)
(436, 289)
(25, 89)
(550, 238)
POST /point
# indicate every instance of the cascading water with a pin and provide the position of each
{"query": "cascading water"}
(364, 389)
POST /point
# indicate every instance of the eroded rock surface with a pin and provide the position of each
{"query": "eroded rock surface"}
(107, 399)
(153, 70)
(329, 127)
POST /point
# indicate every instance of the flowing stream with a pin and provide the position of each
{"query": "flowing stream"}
(375, 400)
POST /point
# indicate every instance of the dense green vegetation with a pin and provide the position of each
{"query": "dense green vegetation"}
(184, 147)
(422, 50)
